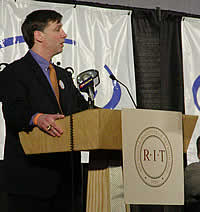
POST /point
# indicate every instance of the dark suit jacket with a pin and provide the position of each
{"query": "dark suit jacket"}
(192, 183)
(26, 91)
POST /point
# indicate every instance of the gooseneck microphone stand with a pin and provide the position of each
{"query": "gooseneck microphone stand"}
(114, 78)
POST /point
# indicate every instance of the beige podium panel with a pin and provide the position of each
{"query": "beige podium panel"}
(153, 157)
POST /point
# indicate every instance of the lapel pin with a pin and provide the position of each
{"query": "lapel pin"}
(62, 86)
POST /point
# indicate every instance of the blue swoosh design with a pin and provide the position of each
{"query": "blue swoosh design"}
(116, 96)
(11, 41)
(195, 88)
(19, 39)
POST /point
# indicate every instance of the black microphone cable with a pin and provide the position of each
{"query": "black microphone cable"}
(114, 78)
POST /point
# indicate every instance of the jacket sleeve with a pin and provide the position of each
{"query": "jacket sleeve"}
(16, 108)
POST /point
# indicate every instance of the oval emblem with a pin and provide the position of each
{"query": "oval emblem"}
(153, 157)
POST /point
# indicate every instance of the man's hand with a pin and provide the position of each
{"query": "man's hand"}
(47, 123)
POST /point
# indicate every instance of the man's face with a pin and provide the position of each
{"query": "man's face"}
(53, 38)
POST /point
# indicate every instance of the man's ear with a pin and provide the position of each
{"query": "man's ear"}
(38, 35)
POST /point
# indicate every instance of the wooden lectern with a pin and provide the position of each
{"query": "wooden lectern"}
(91, 130)
(94, 129)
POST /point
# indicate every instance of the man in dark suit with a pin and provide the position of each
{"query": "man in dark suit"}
(38, 182)
(192, 183)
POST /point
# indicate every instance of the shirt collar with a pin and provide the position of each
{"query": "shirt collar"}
(44, 64)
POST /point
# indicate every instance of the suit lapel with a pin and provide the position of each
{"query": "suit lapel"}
(42, 80)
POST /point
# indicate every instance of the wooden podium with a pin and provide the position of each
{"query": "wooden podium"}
(94, 129)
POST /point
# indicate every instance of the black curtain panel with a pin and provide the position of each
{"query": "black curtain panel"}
(146, 44)
(171, 68)
(158, 59)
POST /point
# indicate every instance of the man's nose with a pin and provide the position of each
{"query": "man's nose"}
(64, 34)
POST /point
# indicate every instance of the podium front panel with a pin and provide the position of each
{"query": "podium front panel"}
(153, 157)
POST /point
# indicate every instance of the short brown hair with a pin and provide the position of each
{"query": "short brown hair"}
(38, 20)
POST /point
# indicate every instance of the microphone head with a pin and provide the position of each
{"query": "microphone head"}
(83, 86)
(94, 74)
(86, 82)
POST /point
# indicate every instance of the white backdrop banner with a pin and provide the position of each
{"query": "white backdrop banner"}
(97, 38)
(191, 64)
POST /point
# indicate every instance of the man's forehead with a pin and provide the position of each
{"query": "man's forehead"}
(56, 23)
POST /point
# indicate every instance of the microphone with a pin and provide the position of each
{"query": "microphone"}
(86, 82)
(114, 78)
(88, 87)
